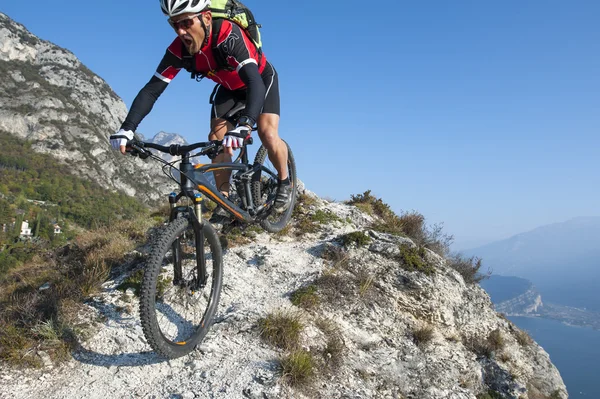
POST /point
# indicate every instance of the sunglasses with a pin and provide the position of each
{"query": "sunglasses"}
(183, 23)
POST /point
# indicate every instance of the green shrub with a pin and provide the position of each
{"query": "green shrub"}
(325, 217)
(469, 268)
(305, 225)
(357, 238)
(371, 205)
(409, 224)
(305, 297)
(413, 259)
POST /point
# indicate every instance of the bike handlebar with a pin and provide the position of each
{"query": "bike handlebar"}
(176, 149)
(141, 147)
(210, 148)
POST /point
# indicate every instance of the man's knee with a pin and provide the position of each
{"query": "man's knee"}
(269, 136)
(268, 129)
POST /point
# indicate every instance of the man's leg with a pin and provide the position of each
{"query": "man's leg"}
(268, 131)
(268, 126)
(218, 128)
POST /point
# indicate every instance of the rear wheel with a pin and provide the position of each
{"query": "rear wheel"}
(176, 307)
(264, 190)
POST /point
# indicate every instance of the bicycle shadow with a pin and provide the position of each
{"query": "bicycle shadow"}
(87, 356)
(132, 359)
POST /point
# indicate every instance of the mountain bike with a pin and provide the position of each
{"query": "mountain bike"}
(184, 271)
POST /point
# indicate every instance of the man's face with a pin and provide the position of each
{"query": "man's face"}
(189, 29)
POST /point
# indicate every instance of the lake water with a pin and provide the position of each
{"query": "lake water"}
(575, 351)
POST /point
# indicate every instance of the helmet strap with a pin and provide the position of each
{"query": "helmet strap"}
(206, 30)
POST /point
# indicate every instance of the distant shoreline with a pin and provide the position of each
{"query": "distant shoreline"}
(570, 316)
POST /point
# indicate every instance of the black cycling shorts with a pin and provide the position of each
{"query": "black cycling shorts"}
(224, 100)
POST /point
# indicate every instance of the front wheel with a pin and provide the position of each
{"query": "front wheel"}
(177, 306)
(264, 190)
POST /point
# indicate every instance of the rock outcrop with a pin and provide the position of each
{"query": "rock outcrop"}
(529, 302)
(48, 97)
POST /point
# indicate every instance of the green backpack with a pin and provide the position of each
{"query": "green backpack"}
(236, 12)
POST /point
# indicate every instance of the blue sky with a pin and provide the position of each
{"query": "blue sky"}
(483, 116)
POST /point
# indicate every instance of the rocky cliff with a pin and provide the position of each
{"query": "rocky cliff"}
(50, 98)
(377, 327)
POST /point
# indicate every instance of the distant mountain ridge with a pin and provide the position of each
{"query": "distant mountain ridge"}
(561, 259)
(164, 138)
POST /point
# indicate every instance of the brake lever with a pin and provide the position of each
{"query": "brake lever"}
(136, 149)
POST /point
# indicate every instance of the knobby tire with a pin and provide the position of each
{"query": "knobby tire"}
(264, 187)
(165, 307)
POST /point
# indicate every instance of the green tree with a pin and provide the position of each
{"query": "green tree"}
(5, 211)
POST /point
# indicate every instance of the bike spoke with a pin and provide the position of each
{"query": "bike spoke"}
(180, 306)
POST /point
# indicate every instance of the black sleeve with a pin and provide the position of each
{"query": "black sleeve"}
(143, 103)
(256, 90)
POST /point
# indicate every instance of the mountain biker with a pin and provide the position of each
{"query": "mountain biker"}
(250, 79)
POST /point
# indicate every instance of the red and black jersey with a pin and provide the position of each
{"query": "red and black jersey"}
(236, 48)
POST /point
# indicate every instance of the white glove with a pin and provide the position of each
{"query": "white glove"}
(120, 138)
(235, 138)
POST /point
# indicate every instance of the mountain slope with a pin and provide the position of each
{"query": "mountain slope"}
(48, 97)
(379, 328)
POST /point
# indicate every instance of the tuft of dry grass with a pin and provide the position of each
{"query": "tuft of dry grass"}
(281, 329)
(486, 347)
(40, 300)
(534, 392)
(496, 340)
(423, 335)
(240, 235)
(334, 288)
(365, 283)
(335, 349)
(100, 250)
(336, 255)
(522, 337)
(298, 367)
(504, 357)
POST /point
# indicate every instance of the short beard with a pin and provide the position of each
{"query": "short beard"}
(192, 48)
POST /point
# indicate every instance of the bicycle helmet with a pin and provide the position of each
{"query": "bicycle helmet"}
(172, 8)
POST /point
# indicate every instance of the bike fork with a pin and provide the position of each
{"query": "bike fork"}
(200, 261)
(176, 246)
